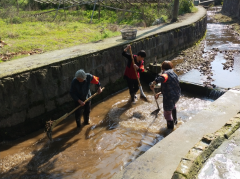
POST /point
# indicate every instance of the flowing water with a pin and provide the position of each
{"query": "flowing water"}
(221, 37)
(224, 162)
(119, 132)
(220, 166)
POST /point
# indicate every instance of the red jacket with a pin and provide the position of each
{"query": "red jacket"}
(129, 71)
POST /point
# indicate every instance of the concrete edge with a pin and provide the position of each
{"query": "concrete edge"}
(191, 164)
(199, 89)
(194, 88)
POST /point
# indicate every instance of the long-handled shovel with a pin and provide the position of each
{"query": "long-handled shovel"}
(51, 124)
(139, 84)
(155, 112)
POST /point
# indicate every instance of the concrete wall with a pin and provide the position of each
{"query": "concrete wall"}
(30, 98)
(232, 7)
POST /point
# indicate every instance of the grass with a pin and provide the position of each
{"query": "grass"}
(24, 33)
(49, 35)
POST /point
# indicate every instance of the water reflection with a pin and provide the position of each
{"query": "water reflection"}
(218, 36)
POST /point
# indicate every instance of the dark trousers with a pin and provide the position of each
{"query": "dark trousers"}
(132, 85)
(85, 110)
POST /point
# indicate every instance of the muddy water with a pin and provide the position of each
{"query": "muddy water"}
(119, 132)
(221, 37)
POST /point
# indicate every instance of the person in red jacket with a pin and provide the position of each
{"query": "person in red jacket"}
(130, 74)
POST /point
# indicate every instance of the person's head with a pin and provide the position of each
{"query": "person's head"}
(80, 75)
(166, 65)
(141, 55)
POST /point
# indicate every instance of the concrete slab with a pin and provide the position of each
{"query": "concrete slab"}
(162, 160)
(36, 61)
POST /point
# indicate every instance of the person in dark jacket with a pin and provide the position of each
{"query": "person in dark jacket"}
(171, 92)
(130, 74)
(80, 91)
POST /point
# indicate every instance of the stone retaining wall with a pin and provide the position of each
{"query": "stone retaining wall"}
(30, 98)
(232, 7)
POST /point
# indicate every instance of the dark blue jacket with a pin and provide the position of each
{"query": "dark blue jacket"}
(170, 89)
(81, 90)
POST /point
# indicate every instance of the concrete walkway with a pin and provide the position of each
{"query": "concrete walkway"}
(36, 61)
(162, 160)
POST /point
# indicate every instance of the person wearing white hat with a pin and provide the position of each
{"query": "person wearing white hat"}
(80, 91)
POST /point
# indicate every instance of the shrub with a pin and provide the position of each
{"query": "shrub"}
(164, 18)
(16, 20)
(185, 6)
(12, 35)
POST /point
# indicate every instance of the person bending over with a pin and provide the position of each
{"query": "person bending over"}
(80, 91)
(171, 92)
(130, 74)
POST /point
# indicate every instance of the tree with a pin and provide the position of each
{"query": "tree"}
(175, 10)
(17, 7)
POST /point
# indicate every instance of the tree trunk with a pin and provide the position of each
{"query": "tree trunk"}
(99, 10)
(175, 11)
(17, 7)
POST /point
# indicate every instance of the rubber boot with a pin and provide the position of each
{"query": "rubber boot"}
(78, 123)
(170, 124)
(86, 119)
(133, 97)
(174, 115)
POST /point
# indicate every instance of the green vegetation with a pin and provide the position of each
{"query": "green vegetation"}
(186, 6)
(28, 27)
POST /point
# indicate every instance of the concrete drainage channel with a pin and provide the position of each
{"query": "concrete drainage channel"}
(162, 159)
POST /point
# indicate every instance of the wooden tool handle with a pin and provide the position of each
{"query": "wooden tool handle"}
(85, 102)
(133, 66)
(155, 97)
(68, 114)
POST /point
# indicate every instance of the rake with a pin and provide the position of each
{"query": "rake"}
(51, 124)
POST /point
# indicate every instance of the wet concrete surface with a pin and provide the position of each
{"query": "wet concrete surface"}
(118, 134)
(224, 161)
